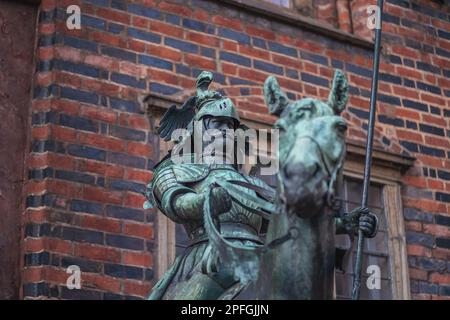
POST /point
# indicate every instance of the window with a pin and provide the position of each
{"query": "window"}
(387, 249)
(375, 251)
(283, 3)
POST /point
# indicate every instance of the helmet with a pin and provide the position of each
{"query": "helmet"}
(221, 107)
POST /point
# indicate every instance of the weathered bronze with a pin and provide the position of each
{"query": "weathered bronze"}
(222, 208)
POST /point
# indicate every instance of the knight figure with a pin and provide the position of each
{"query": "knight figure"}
(178, 190)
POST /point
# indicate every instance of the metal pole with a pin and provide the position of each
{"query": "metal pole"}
(369, 146)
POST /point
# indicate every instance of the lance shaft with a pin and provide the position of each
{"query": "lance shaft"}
(369, 146)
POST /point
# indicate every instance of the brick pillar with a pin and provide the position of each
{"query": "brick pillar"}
(89, 161)
(326, 11)
(344, 15)
(359, 17)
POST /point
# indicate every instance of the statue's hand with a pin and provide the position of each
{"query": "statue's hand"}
(367, 221)
(221, 200)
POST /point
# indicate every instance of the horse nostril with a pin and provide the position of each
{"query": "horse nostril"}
(300, 170)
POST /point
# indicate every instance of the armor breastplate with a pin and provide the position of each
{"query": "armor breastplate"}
(197, 178)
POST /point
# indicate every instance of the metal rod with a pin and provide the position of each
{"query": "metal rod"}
(369, 146)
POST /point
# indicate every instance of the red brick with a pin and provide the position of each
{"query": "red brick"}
(252, 52)
(48, 4)
(37, 160)
(435, 184)
(59, 246)
(437, 230)
(434, 120)
(229, 23)
(34, 244)
(138, 122)
(163, 76)
(137, 288)
(65, 188)
(409, 135)
(97, 253)
(134, 200)
(100, 223)
(438, 142)
(101, 195)
(35, 187)
(136, 45)
(96, 113)
(440, 253)
(41, 105)
(287, 61)
(102, 141)
(418, 274)
(421, 296)
(252, 75)
(138, 175)
(416, 250)
(413, 225)
(32, 274)
(56, 275)
(229, 45)
(139, 230)
(137, 259)
(100, 282)
(200, 62)
(66, 106)
(36, 215)
(140, 22)
(139, 149)
(64, 134)
(165, 28)
(258, 32)
(204, 39)
(408, 73)
(406, 113)
(164, 52)
(103, 62)
(67, 53)
(175, 8)
(113, 15)
(41, 133)
(405, 92)
(228, 68)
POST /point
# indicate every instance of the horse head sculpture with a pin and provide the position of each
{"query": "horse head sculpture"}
(297, 261)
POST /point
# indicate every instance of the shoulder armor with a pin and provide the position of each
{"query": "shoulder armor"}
(186, 173)
(258, 182)
(269, 191)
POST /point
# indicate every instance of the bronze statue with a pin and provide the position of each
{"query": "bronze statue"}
(179, 191)
(222, 208)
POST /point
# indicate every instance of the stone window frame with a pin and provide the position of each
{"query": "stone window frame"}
(387, 170)
(289, 17)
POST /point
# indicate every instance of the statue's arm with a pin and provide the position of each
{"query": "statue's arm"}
(181, 203)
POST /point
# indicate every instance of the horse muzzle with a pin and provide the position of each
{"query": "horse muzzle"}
(305, 187)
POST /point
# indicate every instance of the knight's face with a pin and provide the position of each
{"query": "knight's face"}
(218, 138)
(218, 123)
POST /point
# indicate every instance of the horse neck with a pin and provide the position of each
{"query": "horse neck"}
(301, 268)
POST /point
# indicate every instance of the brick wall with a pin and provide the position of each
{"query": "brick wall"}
(91, 147)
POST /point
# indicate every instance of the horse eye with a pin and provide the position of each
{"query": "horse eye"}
(341, 126)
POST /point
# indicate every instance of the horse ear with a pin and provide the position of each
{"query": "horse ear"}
(276, 99)
(339, 92)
